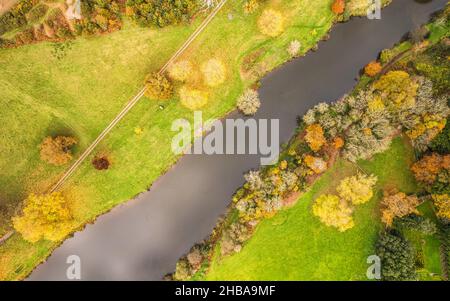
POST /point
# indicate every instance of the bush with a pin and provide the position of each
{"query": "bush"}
(56, 151)
(249, 102)
(357, 189)
(250, 6)
(397, 258)
(180, 71)
(192, 98)
(158, 87)
(338, 7)
(417, 223)
(44, 217)
(373, 68)
(334, 212)
(316, 164)
(271, 23)
(213, 72)
(101, 163)
(294, 48)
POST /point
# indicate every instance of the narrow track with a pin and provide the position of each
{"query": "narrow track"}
(136, 98)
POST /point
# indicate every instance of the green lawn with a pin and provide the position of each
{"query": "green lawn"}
(79, 95)
(294, 245)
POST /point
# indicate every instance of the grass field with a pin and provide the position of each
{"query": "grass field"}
(79, 94)
(294, 245)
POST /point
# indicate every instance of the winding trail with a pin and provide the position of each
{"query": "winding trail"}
(144, 238)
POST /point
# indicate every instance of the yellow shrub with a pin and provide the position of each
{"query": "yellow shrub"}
(192, 98)
(180, 71)
(271, 23)
(213, 72)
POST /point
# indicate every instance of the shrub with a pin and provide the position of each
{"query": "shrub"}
(417, 223)
(270, 23)
(213, 72)
(334, 212)
(56, 151)
(45, 216)
(397, 205)
(397, 258)
(315, 137)
(294, 48)
(338, 143)
(249, 103)
(158, 87)
(180, 71)
(357, 189)
(101, 162)
(373, 68)
(338, 7)
(192, 98)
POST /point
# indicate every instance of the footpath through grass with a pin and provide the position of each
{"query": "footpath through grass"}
(81, 93)
(295, 245)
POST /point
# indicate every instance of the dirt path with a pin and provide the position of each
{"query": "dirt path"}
(136, 98)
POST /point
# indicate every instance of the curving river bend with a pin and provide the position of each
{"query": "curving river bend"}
(143, 239)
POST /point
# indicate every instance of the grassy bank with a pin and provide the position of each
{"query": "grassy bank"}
(295, 245)
(79, 94)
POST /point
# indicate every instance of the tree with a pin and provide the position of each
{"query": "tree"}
(192, 98)
(56, 150)
(181, 71)
(271, 22)
(397, 258)
(338, 7)
(334, 212)
(45, 216)
(442, 204)
(101, 162)
(213, 72)
(316, 164)
(441, 143)
(397, 205)
(417, 223)
(427, 169)
(158, 87)
(249, 102)
(357, 189)
(397, 90)
(373, 68)
(315, 137)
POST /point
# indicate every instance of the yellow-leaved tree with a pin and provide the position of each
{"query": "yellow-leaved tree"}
(315, 136)
(334, 212)
(357, 189)
(46, 216)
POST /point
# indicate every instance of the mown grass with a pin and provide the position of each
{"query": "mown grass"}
(294, 245)
(79, 94)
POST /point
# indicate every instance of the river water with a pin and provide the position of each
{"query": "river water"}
(143, 239)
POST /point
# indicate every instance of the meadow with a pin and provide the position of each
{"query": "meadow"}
(80, 90)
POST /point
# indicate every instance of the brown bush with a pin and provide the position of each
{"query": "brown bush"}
(101, 163)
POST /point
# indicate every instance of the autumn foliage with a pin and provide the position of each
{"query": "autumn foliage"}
(56, 151)
(334, 212)
(315, 137)
(427, 169)
(338, 7)
(373, 68)
(46, 216)
(357, 189)
(397, 205)
(158, 87)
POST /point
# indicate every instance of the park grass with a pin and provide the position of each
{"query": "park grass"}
(79, 94)
(295, 245)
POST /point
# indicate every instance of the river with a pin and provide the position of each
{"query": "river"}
(143, 239)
